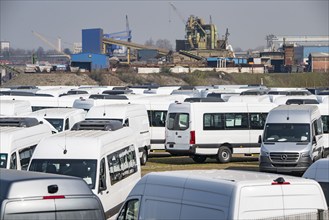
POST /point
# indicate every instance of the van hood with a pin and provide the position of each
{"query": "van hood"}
(285, 147)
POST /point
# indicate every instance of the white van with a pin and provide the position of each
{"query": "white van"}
(88, 103)
(319, 171)
(292, 139)
(61, 119)
(14, 107)
(216, 130)
(106, 158)
(130, 115)
(221, 194)
(157, 108)
(32, 195)
(18, 139)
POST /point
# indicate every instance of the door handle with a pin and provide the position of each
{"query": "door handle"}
(179, 136)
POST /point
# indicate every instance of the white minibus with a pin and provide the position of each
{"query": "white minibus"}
(222, 194)
(103, 153)
(130, 115)
(61, 119)
(157, 108)
(292, 139)
(18, 139)
(14, 107)
(216, 130)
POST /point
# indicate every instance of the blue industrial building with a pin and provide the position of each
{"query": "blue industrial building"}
(90, 61)
(91, 57)
(220, 61)
(92, 40)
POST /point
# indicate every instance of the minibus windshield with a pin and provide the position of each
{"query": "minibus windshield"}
(85, 169)
(287, 133)
(57, 123)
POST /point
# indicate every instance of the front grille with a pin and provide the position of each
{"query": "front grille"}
(284, 157)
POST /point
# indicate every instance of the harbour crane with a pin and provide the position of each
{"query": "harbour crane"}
(58, 49)
(178, 13)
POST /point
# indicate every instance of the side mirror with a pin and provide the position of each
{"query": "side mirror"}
(260, 139)
(314, 140)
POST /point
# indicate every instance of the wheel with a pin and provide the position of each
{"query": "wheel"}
(199, 158)
(224, 154)
(143, 158)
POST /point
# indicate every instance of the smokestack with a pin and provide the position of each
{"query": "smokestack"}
(59, 44)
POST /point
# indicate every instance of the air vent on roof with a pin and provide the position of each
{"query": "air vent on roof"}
(101, 125)
(208, 99)
(18, 122)
(106, 96)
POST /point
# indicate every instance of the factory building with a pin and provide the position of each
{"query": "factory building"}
(301, 53)
(90, 61)
(91, 57)
(318, 62)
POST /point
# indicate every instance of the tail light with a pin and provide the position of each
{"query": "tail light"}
(54, 197)
(192, 137)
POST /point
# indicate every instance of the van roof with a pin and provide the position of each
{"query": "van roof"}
(114, 111)
(57, 112)
(84, 144)
(293, 114)
(209, 180)
(19, 184)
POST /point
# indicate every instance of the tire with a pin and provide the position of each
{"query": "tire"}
(144, 157)
(199, 158)
(224, 154)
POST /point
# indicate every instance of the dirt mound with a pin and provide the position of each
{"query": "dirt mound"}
(51, 79)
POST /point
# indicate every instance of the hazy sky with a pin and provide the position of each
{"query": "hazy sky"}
(248, 21)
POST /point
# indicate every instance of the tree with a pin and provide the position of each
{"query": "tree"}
(67, 51)
(149, 42)
(164, 44)
(40, 52)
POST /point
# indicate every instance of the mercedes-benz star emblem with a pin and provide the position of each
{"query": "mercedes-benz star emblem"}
(284, 156)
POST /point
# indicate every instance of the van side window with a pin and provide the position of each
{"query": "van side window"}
(325, 120)
(157, 118)
(25, 156)
(130, 210)
(122, 164)
(67, 124)
(236, 120)
(317, 126)
(13, 161)
(213, 121)
(257, 120)
(102, 176)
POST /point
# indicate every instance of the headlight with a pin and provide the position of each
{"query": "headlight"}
(305, 154)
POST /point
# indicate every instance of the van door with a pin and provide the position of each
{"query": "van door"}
(317, 140)
(78, 208)
(25, 209)
(178, 131)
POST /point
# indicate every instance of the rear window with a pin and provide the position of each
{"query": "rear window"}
(178, 121)
(85, 169)
(3, 160)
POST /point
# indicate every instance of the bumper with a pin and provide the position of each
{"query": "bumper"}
(181, 152)
(266, 165)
